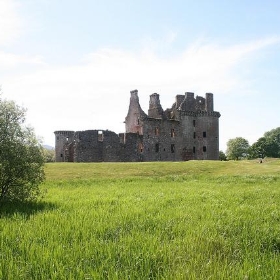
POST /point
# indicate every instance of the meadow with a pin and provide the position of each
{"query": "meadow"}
(164, 220)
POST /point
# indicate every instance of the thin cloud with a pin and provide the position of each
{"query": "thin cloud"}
(10, 22)
(9, 60)
(95, 93)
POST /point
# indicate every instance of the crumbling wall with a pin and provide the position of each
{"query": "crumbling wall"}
(96, 145)
(188, 130)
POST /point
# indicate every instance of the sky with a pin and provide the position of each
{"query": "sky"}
(72, 63)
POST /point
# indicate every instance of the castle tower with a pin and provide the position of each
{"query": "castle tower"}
(133, 120)
(155, 109)
(62, 138)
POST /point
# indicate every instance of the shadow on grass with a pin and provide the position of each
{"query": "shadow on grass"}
(25, 209)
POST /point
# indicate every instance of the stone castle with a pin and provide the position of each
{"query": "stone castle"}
(189, 130)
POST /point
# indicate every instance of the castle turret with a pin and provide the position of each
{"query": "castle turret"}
(155, 109)
(133, 120)
(209, 102)
(62, 138)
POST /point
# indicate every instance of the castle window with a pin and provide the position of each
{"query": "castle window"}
(172, 148)
(61, 155)
(157, 147)
(194, 135)
(156, 131)
(204, 148)
(67, 138)
(193, 150)
(193, 122)
(138, 121)
(140, 147)
(57, 137)
(204, 134)
(100, 136)
(172, 132)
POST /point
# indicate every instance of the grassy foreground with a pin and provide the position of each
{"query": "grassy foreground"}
(187, 220)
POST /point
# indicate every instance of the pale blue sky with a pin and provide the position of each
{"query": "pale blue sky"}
(71, 62)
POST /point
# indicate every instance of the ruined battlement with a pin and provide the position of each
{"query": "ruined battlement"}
(187, 130)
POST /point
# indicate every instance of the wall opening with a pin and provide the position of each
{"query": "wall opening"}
(204, 148)
(193, 150)
(157, 147)
(194, 135)
(157, 131)
(140, 147)
(194, 123)
(100, 136)
(172, 132)
(204, 134)
(172, 148)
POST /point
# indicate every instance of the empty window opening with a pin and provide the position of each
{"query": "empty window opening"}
(157, 147)
(57, 137)
(204, 134)
(138, 121)
(100, 136)
(67, 138)
(172, 132)
(193, 122)
(194, 135)
(172, 148)
(156, 131)
(140, 147)
(61, 155)
(204, 148)
(193, 149)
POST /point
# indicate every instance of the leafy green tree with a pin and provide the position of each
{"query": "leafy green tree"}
(267, 146)
(222, 156)
(273, 139)
(49, 155)
(237, 148)
(21, 155)
(264, 147)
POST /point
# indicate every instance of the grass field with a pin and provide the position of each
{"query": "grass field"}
(165, 220)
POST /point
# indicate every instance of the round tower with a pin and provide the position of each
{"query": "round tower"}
(62, 138)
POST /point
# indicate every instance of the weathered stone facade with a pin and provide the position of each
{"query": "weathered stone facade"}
(188, 130)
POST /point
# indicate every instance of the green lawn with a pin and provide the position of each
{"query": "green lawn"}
(164, 220)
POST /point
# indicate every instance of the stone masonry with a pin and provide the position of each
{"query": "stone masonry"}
(189, 130)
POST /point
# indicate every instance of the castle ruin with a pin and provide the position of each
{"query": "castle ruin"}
(189, 130)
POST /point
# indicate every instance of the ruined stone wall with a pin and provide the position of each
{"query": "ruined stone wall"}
(96, 146)
(188, 130)
(160, 140)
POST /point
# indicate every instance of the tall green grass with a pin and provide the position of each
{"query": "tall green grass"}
(165, 220)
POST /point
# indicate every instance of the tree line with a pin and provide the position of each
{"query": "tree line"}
(266, 146)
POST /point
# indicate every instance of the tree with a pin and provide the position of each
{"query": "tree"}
(273, 138)
(237, 148)
(267, 146)
(21, 155)
(258, 149)
(222, 156)
(49, 155)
